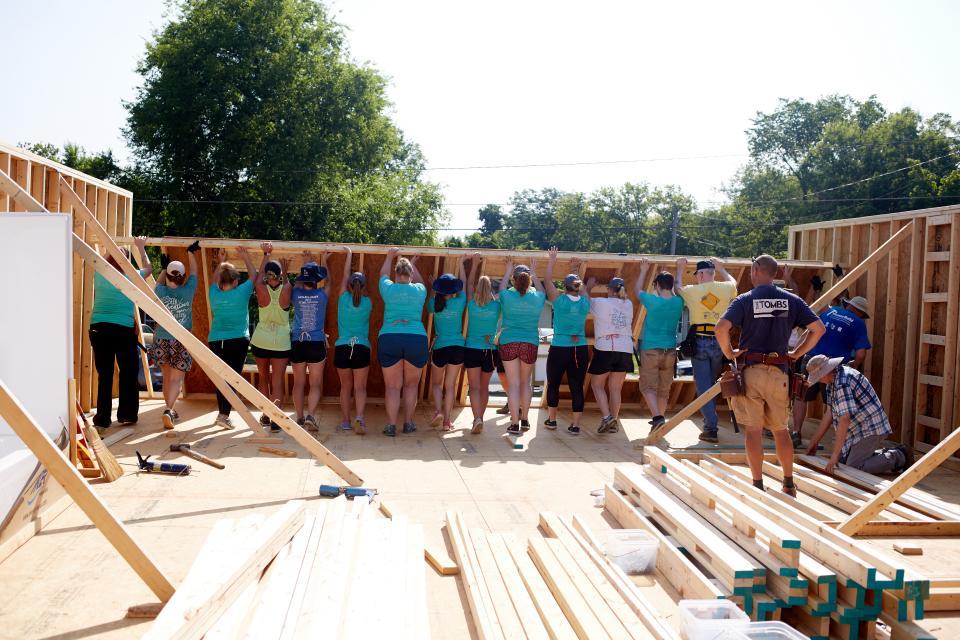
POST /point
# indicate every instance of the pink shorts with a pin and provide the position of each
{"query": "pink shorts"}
(524, 350)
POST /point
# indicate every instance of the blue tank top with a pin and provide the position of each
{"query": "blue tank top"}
(309, 315)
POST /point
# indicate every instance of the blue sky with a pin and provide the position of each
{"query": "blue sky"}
(531, 82)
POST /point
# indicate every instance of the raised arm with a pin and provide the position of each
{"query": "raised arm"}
(551, 288)
(145, 266)
(323, 263)
(507, 274)
(260, 284)
(533, 276)
(192, 258)
(387, 267)
(640, 285)
(252, 272)
(347, 269)
(164, 261)
(286, 293)
(461, 269)
(678, 274)
(576, 264)
(718, 263)
(471, 281)
(220, 255)
(416, 272)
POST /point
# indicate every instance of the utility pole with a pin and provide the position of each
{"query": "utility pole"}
(673, 230)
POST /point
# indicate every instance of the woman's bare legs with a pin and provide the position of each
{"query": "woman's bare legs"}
(411, 389)
(346, 393)
(393, 379)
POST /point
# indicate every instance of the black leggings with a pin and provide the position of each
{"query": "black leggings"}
(572, 361)
(115, 342)
(233, 352)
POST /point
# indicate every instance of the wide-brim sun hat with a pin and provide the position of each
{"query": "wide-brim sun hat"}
(860, 304)
(819, 366)
(448, 284)
(312, 272)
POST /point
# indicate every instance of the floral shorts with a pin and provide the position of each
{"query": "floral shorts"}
(524, 350)
(170, 352)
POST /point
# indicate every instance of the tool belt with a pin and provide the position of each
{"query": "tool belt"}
(703, 329)
(771, 359)
(731, 382)
(798, 387)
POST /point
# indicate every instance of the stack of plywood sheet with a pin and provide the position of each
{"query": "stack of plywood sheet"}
(336, 571)
(559, 587)
(770, 553)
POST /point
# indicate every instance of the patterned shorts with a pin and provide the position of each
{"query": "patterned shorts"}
(526, 351)
(171, 353)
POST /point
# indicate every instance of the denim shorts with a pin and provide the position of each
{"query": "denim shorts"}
(410, 347)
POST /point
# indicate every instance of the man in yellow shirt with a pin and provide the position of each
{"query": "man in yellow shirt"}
(706, 301)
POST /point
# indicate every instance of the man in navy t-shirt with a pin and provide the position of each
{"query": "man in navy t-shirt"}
(766, 316)
(846, 338)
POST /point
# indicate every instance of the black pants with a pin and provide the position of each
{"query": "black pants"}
(233, 352)
(572, 361)
(115, 342)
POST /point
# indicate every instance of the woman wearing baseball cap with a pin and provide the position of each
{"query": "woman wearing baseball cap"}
(351, 355)
(229, 336)
(519, 336)
(176, 291)
(480, 350)
(568, 351)
(612, 349)
(402, 347)
(308, 338)
(447, 306)
(271, 339)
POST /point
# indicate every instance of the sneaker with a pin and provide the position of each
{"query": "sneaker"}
(126, 421)
(223, 420)
(436, 419)
(167, 418)
(605, 423)
(907, 459)
(300, 422)
(447, 426)
(102, 423)
(514, 429)
(176, 416)
(265, 420)
(573, 430)
(550, 424)
(524, 425)
(310, 424)
(797, 440)
(390, 430)
(503, 411)
(361, 427)
(409, 427)
(275, 428)
(657, 422)
(477, 426)
(709, 436)
(344, 426)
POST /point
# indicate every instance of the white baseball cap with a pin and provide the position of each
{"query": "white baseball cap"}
(176, 268)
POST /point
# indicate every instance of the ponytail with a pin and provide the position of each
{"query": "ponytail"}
(439, 303)
(521, 282)
(356, 289)
(484, 292)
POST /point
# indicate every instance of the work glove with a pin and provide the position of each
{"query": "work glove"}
(193, 248)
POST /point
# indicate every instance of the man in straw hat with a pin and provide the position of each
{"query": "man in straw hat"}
(846, 338)
(766, 316)
(858, 417)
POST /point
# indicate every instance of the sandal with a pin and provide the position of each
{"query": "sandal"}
(447, 426)
(477, 426)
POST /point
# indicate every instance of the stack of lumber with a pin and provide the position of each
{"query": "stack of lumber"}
(559, 587)
(723, 538)
(338, 570)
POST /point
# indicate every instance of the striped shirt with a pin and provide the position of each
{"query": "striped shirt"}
(851, 394)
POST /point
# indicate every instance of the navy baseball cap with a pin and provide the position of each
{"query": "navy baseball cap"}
(705, 264)
(521, 268)
(616, 283)
(571, 279)
(358, 276)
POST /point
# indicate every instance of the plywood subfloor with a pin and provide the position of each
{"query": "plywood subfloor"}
(69, 583)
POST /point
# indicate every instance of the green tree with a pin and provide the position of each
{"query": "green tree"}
(248, 106)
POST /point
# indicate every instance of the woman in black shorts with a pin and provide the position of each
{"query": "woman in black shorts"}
(480, 356)
(447, 308)
(612, 350)
(351, 355)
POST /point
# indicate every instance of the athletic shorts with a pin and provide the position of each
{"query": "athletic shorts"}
(485, 359)
(259, 352)
(526, 351)
(656, 371)
(447, 355)
(310, 351)
(167, 351)
(409, 347)
(346, 356)
(610, 362)
(766, 398)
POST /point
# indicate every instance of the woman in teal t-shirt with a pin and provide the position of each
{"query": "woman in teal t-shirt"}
(229, 334)
(351, 355)
(520, 305)
(568, 351)
(447, 306)
(113, 338)
(480, 356)
(658, 342)
(402, 348)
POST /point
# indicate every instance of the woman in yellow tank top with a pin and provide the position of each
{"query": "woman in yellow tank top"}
(271, 339)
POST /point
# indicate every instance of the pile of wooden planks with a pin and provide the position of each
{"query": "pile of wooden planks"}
(722, 538)
(559, 587)
(338, 570)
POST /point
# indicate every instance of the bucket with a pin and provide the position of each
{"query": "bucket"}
(711, 619)
(633, 550)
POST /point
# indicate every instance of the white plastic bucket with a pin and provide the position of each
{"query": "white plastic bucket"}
(710, 619)
(633, 550)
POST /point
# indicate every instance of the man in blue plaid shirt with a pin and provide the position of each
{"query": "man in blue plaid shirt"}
(858, 417)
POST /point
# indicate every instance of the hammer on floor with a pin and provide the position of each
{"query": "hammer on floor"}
(185, 449)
